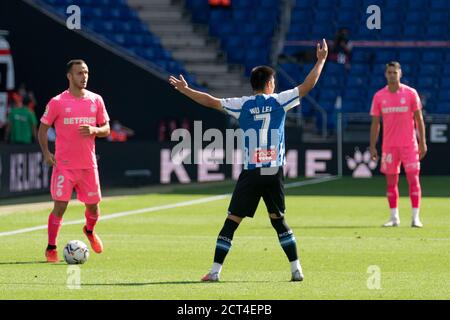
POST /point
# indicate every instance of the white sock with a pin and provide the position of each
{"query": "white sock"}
(295, 265)
(395, 214)
(415, 213)
(216, 268)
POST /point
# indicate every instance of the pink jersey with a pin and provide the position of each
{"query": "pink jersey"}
(397, 112)
(67, 113)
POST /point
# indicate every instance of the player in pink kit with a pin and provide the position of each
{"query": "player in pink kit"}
(79, 116)
(400, 108)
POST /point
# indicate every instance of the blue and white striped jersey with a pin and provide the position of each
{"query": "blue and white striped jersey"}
(262, 118)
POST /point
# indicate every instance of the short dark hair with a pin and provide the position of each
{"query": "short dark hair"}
(72, 62)
(260, 76)
(394, 64)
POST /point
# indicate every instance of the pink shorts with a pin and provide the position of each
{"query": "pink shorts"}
(86, 183)
(392, 157)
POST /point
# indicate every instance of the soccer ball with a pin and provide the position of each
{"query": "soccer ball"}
(76, 252)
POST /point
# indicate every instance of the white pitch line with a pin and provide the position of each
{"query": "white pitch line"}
(165, 207)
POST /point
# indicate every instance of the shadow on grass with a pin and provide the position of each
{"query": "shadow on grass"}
(25, 262)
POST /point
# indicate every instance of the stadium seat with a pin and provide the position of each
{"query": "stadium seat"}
(418, 4)
(445, 83)
(429, 70)
(437, 5)
(408, 56)
(432, 57)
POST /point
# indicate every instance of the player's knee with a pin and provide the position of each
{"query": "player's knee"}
(59, 208)
(413, 179)
(92, 208)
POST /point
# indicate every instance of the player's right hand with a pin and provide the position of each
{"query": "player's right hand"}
(178, 84)
(374, 154)
(50, 159)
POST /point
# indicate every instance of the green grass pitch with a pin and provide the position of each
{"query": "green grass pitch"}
(162, 254)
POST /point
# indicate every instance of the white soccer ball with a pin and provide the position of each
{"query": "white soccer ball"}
(76, 252)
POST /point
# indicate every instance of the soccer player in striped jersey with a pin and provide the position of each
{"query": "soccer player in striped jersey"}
(264, 156)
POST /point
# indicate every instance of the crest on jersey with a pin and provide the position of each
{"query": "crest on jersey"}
(68, 110)
(93, 108)
(403, 100)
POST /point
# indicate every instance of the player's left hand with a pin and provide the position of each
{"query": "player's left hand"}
(423, 149)
(86, 130)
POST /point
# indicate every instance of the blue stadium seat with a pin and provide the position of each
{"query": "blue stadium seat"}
(437, 5)
(348, 4)
(324, 16)
(332, 82)
(427, 83)
(377, 82)
(444, 96)
(432, 57)
(384, 56)
(333, 68)
(418, 4)
(413, 31)
(394, 5)
(305, 4)
(356, 82)
(415, 17)
(300, 15)
(429, 70)
(351, 106)
(436, 31)
(439, 17)
(443, 108)
(446, 70)
(360, 56)
(325, 4)
(393, 31)
(354, 94)
(445, 83)
(391, 17)
(408, 56)
(328, 95)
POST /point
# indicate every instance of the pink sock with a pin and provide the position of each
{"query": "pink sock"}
(415, 191)
(392, 190)
(54, 225)
(91, 219)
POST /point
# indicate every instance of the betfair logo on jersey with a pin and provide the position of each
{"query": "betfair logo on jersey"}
(80, 120)
(395, 109)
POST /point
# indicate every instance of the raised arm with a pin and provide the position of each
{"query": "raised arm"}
(313, 76)
(200, 97)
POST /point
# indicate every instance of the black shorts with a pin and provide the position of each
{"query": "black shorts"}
(251, 186)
